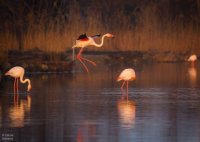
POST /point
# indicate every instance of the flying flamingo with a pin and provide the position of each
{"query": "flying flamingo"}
(17, 72)
(126, 75)
(84, 41)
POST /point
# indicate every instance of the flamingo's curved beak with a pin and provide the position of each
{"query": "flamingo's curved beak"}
(29, 88)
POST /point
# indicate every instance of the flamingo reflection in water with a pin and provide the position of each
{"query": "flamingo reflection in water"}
(80, 137)
(127, 111)
(17, 112)
(84, 41)
(192, 75)
(87, 131)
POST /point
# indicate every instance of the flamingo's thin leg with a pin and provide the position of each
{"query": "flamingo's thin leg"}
(17, 86)
(14, 85)
(122, 89)
(15, 81)
(15, 102)
(17, 98)
(83, 64)
(122, 85)
(127, 90)
(91, 62)
(17, 95)
(79, 58)
(14, 99)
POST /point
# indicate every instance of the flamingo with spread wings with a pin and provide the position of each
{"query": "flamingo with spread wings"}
(84, 41)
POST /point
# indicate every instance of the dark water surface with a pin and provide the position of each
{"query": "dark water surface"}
(163, 106)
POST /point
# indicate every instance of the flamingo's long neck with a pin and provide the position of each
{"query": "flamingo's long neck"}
(102, 41)
(25, 80)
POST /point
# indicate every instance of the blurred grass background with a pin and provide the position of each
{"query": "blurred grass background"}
(139, 25)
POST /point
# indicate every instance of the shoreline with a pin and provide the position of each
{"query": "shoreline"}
(38, 61)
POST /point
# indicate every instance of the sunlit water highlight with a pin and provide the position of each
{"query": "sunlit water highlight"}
(163, 105)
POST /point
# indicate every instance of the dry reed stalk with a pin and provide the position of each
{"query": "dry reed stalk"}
(55, 34)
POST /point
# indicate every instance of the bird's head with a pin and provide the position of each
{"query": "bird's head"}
(119, 79)
(109, 35)
(28, 88)
(7, 73)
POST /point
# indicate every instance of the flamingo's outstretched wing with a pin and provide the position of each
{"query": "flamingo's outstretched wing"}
(96, 36)
(82, 37)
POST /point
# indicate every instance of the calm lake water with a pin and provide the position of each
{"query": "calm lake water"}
(163, 106)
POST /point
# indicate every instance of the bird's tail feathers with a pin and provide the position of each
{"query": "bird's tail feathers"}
(119, 78)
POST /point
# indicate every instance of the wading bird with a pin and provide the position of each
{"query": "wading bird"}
(17, 72)
(84, 41)
(192, 58)
(126, 75)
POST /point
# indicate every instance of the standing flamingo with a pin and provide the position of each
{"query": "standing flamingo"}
(18, 72)
(192, 58)
(126, 75)
(84, 41)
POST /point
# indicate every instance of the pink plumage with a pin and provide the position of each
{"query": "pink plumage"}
(85, 41)
(192, 58)
(17, 72)
(127, 75)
